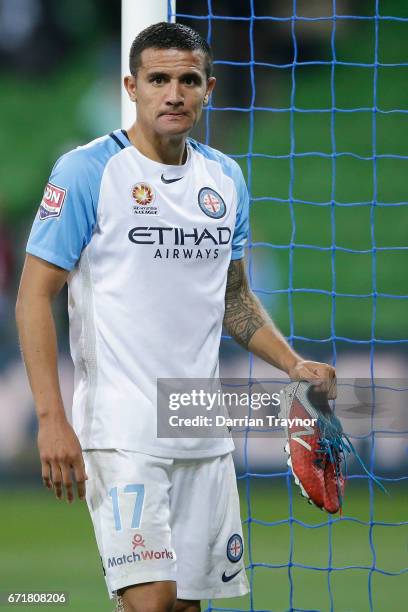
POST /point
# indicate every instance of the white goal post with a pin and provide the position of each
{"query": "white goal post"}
(137, 15)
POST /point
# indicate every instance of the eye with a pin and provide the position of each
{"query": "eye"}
(157, 80)
(191, 80)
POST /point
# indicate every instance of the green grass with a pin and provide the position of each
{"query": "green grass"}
(47, 545)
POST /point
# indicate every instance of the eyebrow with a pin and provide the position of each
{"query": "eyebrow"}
(160, 74)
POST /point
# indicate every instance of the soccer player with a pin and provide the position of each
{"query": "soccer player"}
(148, 228)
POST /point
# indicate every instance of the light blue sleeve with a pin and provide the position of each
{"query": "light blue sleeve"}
(67, 214)
(240, 236)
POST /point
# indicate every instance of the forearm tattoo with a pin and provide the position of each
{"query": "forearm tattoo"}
(244, 314)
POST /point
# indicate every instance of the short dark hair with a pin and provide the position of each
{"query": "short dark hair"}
(165, 35)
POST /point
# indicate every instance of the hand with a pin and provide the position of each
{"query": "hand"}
(60, 452)
(322, 374)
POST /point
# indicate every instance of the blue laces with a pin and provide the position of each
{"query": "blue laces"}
(335, 445)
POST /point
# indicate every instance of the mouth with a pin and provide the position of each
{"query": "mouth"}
(175, 115)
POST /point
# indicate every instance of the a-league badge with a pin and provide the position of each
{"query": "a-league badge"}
(235, 548)
(211, 203)
(143, 198)
(52, 202)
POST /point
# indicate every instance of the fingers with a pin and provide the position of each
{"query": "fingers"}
(56, 478)
(46, 474)
(57, 474)
(80, 477)
(67, 482)
(305, 373)
(332, 387)
(321, 374)
(328, 384)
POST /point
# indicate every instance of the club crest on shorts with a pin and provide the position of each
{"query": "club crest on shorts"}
(211, 203)
(235, 548)
(143, 197)
(52, 202)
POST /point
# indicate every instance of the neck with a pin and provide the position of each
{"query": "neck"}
(170, 150)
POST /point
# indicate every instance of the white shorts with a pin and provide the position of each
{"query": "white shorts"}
(167, 519)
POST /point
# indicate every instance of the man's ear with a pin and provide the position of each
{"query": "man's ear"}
(129, 82)
(211, 81)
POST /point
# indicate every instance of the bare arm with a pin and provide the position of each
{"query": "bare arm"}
(58, 445)
(250, 326)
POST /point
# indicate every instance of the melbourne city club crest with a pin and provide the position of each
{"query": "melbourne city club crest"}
(143, 198)
(235, 548)
(211, 203)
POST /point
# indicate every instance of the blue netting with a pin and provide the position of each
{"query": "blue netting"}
(208, 18)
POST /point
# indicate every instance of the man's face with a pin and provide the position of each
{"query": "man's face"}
(170, 88)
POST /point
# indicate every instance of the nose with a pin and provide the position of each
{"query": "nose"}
(174, 96)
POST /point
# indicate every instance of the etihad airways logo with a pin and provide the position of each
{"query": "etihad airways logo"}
(174, 237)
(143, 555)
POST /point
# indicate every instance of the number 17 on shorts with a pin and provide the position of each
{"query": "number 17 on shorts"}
(139, 491)
(129, 543)
(131, 520)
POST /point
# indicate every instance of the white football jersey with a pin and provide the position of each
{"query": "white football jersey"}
(148, 247)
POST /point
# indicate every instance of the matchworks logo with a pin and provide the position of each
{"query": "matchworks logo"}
(144, 555)
(138, 541)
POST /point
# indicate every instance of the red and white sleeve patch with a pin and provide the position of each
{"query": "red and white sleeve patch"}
(52, 202)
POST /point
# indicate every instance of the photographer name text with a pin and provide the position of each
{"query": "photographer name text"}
(223, 421)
